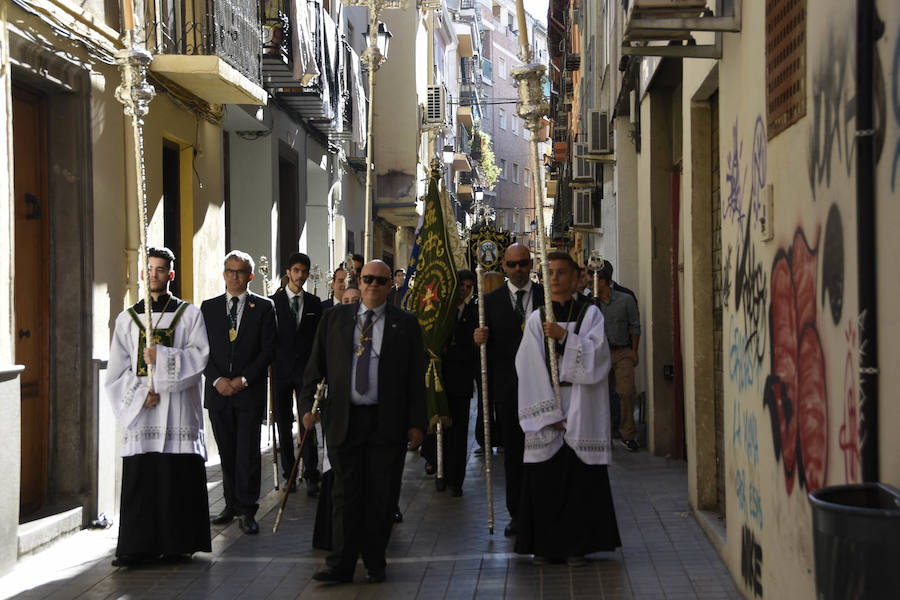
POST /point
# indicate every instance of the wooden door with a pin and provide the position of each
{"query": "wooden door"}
(32, 313)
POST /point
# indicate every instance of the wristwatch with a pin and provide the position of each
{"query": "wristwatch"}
(244, 381)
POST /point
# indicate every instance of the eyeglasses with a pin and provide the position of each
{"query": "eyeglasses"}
(236, 272)
(512, 264)
(377, 279)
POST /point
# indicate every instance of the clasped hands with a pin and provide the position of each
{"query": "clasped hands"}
(415, 435)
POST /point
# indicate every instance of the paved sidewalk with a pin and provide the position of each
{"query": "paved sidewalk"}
(441, 550)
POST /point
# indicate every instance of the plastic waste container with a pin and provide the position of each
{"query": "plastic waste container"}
(856, 536)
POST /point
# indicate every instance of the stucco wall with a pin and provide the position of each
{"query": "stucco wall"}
(791, 329)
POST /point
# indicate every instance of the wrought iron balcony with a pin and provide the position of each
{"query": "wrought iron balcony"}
(211, 48)
(320, 91)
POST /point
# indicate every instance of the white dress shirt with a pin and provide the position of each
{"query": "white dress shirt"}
(377, 334)
(242, 301)
(527, 301)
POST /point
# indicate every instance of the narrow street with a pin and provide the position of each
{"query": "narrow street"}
(441, 550)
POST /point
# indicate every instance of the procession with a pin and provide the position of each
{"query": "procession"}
(449, 299)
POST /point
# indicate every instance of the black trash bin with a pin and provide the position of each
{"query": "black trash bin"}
(856, 536)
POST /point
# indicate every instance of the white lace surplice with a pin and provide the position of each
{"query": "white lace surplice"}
(175, 425)
(584, 405)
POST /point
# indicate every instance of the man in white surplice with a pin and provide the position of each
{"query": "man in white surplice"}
(164, 509)
(566, 509)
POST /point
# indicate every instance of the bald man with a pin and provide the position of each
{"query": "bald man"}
(506, 309)
(371, 355)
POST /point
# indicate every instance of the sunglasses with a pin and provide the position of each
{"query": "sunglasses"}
(377, 279)
(512, 264)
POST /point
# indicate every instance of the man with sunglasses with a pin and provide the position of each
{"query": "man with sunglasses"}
(506, 309)
(371, 356)
(241, 329)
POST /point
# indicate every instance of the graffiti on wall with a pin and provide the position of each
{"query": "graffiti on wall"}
(833, 259)
(832, 137)
(794, 392)
(736, 175)
(751, 561)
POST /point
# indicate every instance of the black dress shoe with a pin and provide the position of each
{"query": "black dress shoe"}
(398, 516)
(248, 524)
(455, 490)
(329, 575)
(130, 560)
(511, 529)
(226, 516)
(312, 488)
(373, 576)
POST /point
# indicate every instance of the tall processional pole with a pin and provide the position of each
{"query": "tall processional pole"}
(135, 93)
(532, 108)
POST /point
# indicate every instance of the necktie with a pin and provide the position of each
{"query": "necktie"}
(232, 314)
(362, 362)
(295, 307)
(520, 303)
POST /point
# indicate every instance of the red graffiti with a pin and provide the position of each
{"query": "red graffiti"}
(848, 439)
(795, 389)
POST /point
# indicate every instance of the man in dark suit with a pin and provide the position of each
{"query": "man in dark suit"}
(372, 357)
(338, 285)
(506, 309)
(298, 313)
(241, 329)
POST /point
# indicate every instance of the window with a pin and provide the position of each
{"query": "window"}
(515, 173)
(501, 67)
(502, 168)
(514, 124)
(785, 64)
(527, 177)
(526, 134)
(502, 118)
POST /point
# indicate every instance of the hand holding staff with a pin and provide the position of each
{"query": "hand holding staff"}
(320, 393)
(488, 449)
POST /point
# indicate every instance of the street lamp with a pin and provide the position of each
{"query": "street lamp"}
(373, 57)
(448, 154)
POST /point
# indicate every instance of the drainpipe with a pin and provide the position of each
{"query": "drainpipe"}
(868, 30)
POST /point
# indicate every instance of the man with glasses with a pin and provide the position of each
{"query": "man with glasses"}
(371, 356)
(241, 329)
(506, 309)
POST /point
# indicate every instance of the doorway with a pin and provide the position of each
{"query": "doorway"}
(31, 294)
(171, 181)
(288, 205)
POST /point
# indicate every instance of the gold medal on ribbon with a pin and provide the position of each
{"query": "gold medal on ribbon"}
(359, 350)
(232, 334)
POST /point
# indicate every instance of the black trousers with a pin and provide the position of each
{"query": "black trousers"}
(366, 488)
(496, 434)
(165, 508)
(283, 403)
(237, 435)
(514, 453)
(456, 440)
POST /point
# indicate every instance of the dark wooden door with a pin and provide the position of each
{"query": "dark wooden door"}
(31, 296)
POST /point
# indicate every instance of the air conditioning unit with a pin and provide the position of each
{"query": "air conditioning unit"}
(598, 132)
(582, 208)
(582, 168)
(436, 105)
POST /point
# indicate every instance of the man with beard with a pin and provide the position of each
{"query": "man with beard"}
(298, 313)
(165, 508)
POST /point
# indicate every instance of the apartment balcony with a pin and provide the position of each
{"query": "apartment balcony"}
(211, 48)
(317, 84)
(465, 182)
(469, 111)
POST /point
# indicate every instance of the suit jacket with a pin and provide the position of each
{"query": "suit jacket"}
(504, 335)
(249, 356)
(294, 344)
(401, 374)
(460, 359)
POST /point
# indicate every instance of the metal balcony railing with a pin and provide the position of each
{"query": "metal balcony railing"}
(466, 4)
(229, 29)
